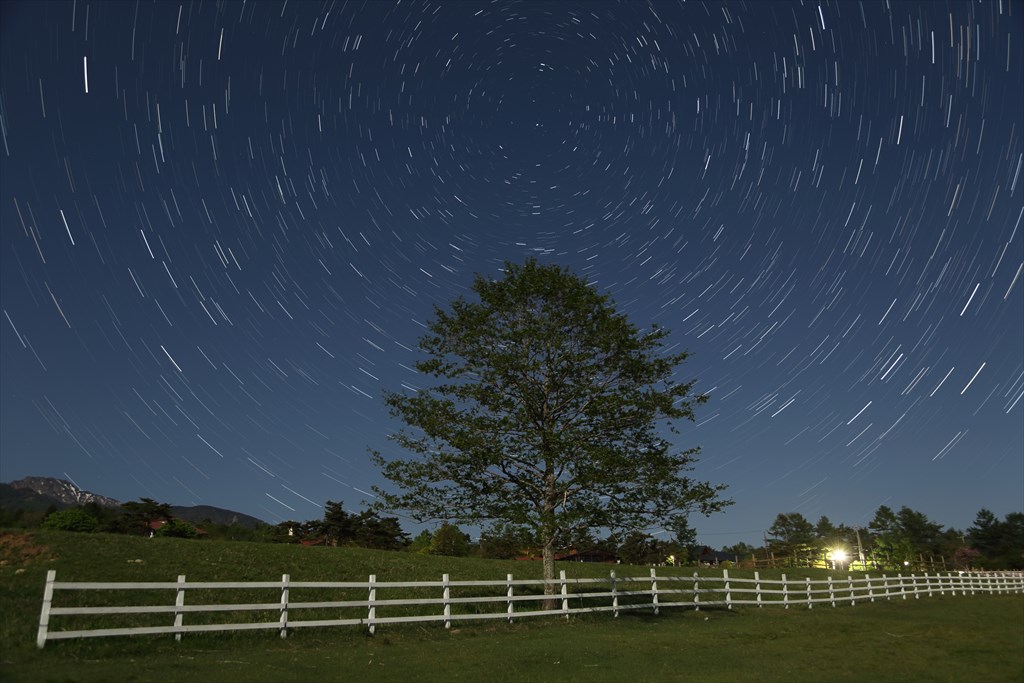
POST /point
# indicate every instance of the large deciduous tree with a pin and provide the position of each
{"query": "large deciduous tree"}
(548, 416)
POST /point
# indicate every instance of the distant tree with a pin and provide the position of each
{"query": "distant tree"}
(884, 521)
(337, 527)
(71, 519)
(793, 536)
(640, 548)
(1000, 544)
(136, 516)
(547, 418)
(106, 517)
(379, 533)
(965, 557)
(924, 535)
(740, 549)
(177, 528)
(893, 551)
(985, 535)
(421, 543)
(1013, 540)
(902, 539)
(451, 541)
(825, 529)
(684, 539)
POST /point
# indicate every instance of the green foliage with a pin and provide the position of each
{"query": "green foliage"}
(640, 548)
(999, 544)
(901, 539)
(421, 544)
(72, 519)
(503, 542)
(740, 549)
(449, 540)
(177, 528)
(793, 536)
(339, 528)
(546, 417)
(136, 515)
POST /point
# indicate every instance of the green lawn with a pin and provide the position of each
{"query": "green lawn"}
(940, 638)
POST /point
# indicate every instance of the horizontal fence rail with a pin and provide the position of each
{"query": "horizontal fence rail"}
(360, 603)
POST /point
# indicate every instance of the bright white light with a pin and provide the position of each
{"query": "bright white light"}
(839, 556)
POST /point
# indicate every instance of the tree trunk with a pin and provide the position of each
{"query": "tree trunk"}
(547, 536)
(550, 587)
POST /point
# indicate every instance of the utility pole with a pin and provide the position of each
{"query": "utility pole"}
(860, 548)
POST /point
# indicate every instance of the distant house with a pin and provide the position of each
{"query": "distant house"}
(593, 555)
(574, 555)
(713, 558)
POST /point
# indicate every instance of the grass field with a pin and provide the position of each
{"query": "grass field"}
(941, 638)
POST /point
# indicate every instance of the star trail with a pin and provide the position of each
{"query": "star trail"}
(225, 226)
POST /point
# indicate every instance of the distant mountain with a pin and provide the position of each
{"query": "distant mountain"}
(39, 493)
(24, 499)
(197, 514)
(63, 492)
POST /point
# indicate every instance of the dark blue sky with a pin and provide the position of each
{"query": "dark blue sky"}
(225, 224)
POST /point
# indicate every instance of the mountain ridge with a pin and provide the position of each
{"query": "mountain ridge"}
(38, 493)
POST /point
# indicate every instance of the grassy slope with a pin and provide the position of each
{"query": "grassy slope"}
(977, 638)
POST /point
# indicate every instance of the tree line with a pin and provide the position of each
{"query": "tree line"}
(893, 539)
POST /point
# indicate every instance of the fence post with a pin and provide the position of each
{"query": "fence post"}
(757, 587)
(853, 595)
(615, 595)
(810, 604)
(831, 592)
(885, 586)
(913, 584)
(565, 593)
(508, 582)
(371, 600)
(447, 596)
(179, 602)
(284, 605)
(728, 593)
(871, 591)
(903, 586)
(785, 592)
(696, 592)
(44, 615)
(654, 589)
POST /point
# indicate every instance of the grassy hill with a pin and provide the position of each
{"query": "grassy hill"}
(943, 638)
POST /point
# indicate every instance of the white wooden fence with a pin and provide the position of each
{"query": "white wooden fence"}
(498, 601)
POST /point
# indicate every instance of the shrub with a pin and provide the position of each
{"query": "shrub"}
(72, 519)
(177, 528)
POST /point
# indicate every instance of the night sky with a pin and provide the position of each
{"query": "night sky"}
(224, 226)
